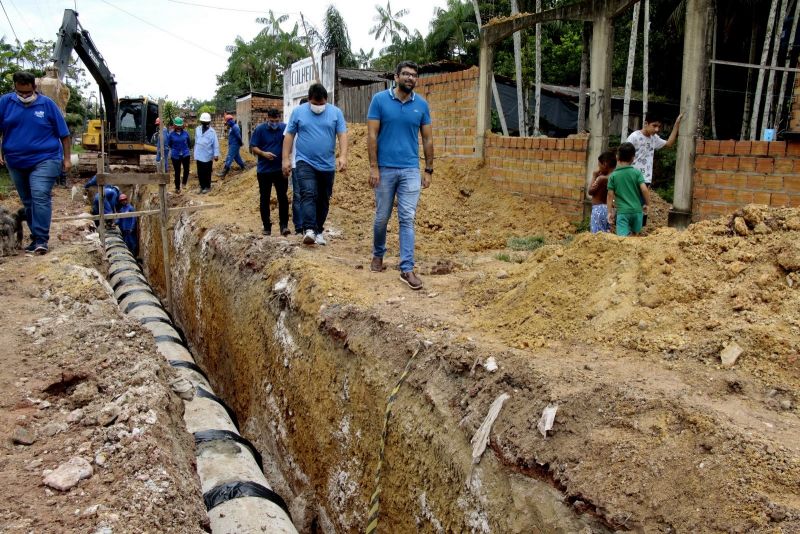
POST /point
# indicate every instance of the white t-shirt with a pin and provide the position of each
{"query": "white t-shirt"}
(645, 148)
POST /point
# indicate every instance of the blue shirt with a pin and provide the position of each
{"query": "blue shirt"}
(316, 135)
(31, 133)
(234, 135)
(398, 137)
(178, 144)
(268, 140)
(128, 224)
(206, 145)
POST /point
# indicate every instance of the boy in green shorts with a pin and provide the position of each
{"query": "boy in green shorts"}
(626, 189)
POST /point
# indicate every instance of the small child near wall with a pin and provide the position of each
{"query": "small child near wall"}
(626, 188)
(606, 164)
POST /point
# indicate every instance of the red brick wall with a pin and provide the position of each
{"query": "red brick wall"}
(730, 174)
(547, 169)
(453, 99)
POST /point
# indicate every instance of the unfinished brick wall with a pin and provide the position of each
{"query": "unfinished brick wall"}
(453, 99)
(731, 174)
(542, 168)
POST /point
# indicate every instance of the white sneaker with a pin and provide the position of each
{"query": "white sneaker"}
(309, 238)
(320, 240)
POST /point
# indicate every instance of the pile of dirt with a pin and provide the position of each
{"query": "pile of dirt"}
(683, 295)
(84, 387)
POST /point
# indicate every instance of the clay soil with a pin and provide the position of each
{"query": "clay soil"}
(80, 380)
(653, 432)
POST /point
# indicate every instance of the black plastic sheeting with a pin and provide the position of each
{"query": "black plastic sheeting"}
(202, 392)
(133, 305)
(166, 337)
(128, 280)
(190, 365)
(233, 490)
(204, 436)
(130, 292)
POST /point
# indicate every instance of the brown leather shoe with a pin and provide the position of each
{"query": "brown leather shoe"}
(412, 280)
(377, 265)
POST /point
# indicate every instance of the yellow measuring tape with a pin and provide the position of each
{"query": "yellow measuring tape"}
(375, 501)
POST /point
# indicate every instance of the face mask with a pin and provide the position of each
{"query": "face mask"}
(317, 108)
(205, 126)
(273, 125)
(27, 99)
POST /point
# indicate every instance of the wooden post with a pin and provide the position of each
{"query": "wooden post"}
(162, 194)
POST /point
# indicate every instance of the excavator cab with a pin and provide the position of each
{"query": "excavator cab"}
(136, 125)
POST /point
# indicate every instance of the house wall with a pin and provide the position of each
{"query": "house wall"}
(731, 174)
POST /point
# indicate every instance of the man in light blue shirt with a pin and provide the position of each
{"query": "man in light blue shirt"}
(206, 151)
(317, 125)
(395, 120)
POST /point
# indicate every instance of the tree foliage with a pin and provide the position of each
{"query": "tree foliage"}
(335, 37)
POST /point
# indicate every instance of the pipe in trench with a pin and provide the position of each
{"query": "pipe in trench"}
(237, 496)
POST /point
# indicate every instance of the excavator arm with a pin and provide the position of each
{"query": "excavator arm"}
(72, 37)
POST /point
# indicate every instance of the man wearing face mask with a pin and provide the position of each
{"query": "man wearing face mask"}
(317, 125)
(206, 151)
(395, 120)
(234, 144)
(36, 148)
(266, 142)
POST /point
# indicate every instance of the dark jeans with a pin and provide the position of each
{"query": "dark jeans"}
(176, 164)
(298, 224)
(316, 189)
(204, 173)
(265, 182)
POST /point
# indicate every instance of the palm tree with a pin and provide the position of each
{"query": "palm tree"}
(364, 59)
(272, 25)
(388, 23)
(452, 29)
(335, 36)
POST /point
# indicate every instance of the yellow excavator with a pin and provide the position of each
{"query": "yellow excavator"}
(129, 123)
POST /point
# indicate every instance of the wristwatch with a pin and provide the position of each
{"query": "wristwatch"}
(429, 170)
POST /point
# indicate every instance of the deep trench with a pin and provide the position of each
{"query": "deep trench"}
(309, 380)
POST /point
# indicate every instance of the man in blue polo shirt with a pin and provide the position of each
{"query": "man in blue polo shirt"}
(266, 142)
(36, 148)
(395, 119)
(317, 125)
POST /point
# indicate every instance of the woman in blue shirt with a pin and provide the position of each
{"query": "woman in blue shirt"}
(178, 144)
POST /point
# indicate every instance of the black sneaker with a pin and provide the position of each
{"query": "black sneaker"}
(31, 248)
(41, 249)
(285, 231)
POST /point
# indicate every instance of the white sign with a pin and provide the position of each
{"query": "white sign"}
(299, 77)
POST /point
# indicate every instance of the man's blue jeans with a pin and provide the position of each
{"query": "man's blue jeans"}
(296, 220)
(406, 185)
(233, 155)
(316, 189)
(35, 187)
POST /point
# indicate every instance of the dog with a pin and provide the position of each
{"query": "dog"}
(11, 231)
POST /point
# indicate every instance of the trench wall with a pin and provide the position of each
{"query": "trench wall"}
(309, 379)
(731, 174)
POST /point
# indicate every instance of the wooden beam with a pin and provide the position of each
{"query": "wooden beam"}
(131, 214)
(133, 178)
(588, 10)
(752, 65)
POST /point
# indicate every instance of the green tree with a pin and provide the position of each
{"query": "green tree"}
(388, 23)
(335, 36)
(453, 31)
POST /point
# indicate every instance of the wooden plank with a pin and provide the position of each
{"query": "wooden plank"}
(133, 178)
(752, 65)
(130, 214)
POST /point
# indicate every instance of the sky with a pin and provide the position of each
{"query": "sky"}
(174, 49)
